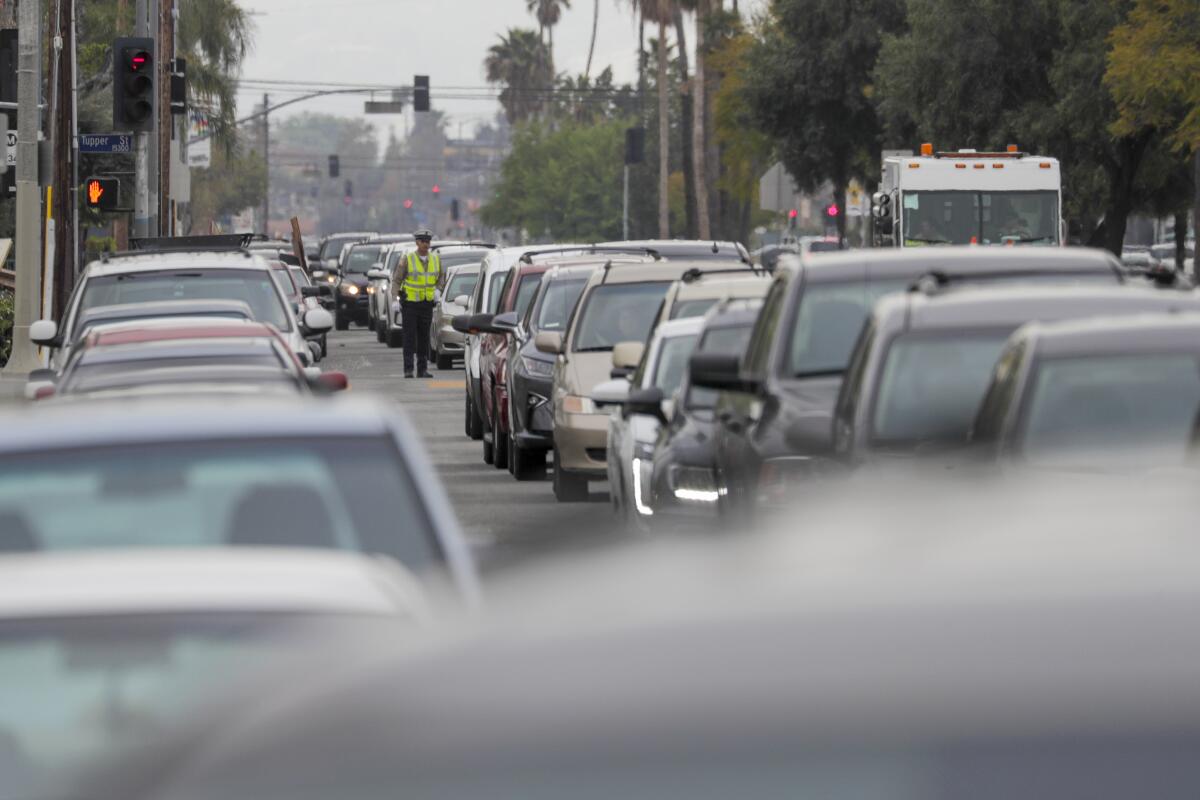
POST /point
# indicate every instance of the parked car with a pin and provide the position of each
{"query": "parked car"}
(920, 370)
(768, 256)
(350, 290)
(446, 342)
(778, 401)
(332, 474)
(1103, 394)
(157, 277)
(698, 291)
(315, 296)
(619, 304)
(682, 484)
(640, 405)
(106, 651)
(186, 355)
(531, 372)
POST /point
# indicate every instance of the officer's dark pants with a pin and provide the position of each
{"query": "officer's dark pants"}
(418, 317)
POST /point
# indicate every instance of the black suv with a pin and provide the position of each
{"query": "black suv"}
(779, 402)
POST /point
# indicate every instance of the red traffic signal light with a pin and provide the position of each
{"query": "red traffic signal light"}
(793, 214)
(408, 203)
(436, 189)
(832, 210)
(133, 83)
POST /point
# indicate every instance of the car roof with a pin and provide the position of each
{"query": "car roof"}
(652, 271)
(181, 380)
(723, 285)
(683, 248)
(224, 329)
(166, 261)
(105, 424)
(170, 580)
(1007, 305)
(912, 262)
(1136, 333)
(164, 308)
(233, 347)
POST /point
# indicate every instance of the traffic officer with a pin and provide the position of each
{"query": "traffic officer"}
(420, 276)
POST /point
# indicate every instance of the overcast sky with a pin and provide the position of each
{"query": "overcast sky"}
(388, 41)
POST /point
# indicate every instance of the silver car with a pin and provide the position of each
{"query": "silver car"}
(447, 343)
(154, 277)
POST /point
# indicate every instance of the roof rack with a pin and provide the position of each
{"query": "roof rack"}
(695, 273)
(163, 244)
(489, 245)
(527, 257)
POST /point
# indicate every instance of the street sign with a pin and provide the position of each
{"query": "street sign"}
(103, 194)
(10, 149)
(105, 143)
(383, 107)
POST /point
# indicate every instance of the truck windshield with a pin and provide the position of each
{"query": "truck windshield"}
(997, 218)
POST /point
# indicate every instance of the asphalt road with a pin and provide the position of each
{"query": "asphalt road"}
(508, 523)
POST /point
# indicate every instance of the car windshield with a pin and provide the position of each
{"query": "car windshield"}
(618, 312)
(343, 493)
(1144, 406)
(672, 362)
(332, 248)
(362, 258)
(933, 217)
(933, 385)
(75, 688)
(526, 291)
(828, 322)
(557, 303)
(472, 257)
(462, 283)
(727, 340)
(692, 308)
(255, 287)
(299, 277)
(83, 373)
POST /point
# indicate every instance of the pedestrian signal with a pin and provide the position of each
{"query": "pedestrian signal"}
(102, 194)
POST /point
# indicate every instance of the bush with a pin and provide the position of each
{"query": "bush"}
(96, 245)
(6, 325)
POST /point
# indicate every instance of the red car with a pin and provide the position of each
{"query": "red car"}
(516, 294)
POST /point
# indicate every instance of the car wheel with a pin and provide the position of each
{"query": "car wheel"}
(444, 361)
(568, 488)
(380, 331)
(394, 338)
(474, 423)
(525, 465)
(499, 440)
(324, 345)
(340, 323)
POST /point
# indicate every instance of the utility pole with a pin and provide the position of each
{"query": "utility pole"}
(62, 139)
(266, 203)
(29, 224)
(162, 106)
(141, 148)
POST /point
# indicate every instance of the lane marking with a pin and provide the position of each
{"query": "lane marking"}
(446, 384)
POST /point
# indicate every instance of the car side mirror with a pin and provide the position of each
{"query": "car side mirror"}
(719, 371)
(627, 355)
(611, 393)
(549, 342)
(377, 274)
(505, 323)
(468, 323)
(44, 332)
(312, 291)
(462, 300)
(317, 320)
(647, 401)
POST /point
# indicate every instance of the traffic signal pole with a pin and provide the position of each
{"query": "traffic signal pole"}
(141, 146)
(27, 298)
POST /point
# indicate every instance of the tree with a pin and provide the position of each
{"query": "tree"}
(521, 64)
(214, 37)
(548, 13)
(811, 88)
(587, 70)
(700, 124)
(562, 182)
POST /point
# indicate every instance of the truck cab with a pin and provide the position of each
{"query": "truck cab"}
(969, 197)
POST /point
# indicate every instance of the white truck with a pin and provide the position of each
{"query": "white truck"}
(968, 197)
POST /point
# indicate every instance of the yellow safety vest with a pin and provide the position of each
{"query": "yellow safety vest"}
(420, 282)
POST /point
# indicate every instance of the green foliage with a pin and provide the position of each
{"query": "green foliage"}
(562, 183)
(746, 152)
(811, 86)
(520, 62)
(1153, 70)
(95, 245)
(6, 325)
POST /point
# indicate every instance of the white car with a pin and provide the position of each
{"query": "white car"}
(633, 429)
(203, 275)
(110, 649)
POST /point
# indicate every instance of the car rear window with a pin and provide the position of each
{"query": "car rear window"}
(348, 493)
(618, 312)
(672, 362)
(692, 308)
(362, 258)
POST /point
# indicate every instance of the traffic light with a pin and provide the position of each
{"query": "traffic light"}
(133, 83)
(420, 93)
(792, 215)
(349, 188)
(102, 194)
(436, 190)
(408, 204)
(832, 210)
(335, 167)
(454, 209)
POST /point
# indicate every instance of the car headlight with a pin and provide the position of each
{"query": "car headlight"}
(349, 288)
(331, 278)
(541, 369)
(370, 290)
(574, 404)
(641, 486)
(693, 485)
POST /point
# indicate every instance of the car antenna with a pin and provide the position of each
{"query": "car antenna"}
(607, 266)
(715, 248)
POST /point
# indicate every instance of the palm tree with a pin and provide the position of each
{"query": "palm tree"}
(661, 13)
(519, 62)
(214, 37)
(548, 13)
(700, 124)
(587, 70)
